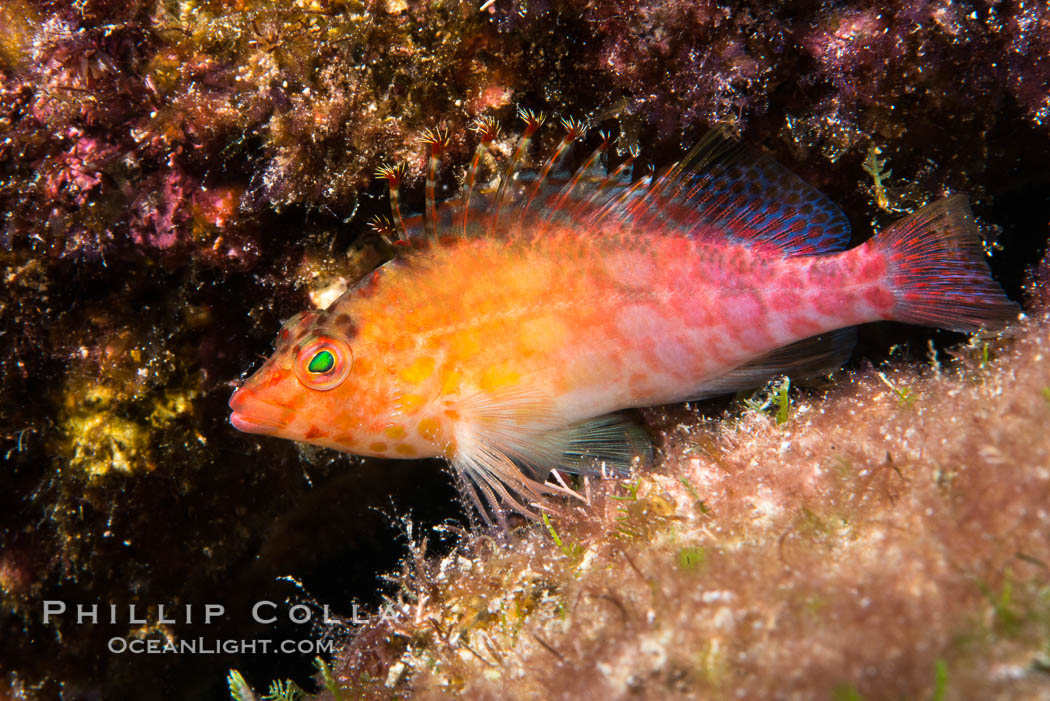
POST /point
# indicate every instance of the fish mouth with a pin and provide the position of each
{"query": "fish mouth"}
(252, 414)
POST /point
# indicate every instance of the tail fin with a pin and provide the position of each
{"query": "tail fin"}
(938, 271)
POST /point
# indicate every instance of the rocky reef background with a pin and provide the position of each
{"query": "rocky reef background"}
(176, 178)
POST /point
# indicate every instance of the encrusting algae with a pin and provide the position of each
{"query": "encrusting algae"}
(520, 317)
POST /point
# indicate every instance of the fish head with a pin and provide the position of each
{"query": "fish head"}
(318, 386)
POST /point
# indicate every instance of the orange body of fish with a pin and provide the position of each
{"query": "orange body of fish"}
(506, 343)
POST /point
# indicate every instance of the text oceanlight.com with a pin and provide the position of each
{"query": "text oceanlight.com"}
(206, 646)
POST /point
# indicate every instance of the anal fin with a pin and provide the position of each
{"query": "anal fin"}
(810, 357)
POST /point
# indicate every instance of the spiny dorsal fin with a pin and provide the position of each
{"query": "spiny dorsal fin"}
(533, 121)
(574, 129)
(487, 128)
(393, 175)
(721, 189)
(438, 141)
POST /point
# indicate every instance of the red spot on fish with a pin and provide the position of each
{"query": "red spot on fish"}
(695, 313)
(819, 275)
(679, 247)
(369, 285)
(880, 299)
(746, 306)
(313, 432)
(783, 301)
(874, 268)
(722, 349)
(803, 327)
(638, 384)
(275, 377)
(825, 305)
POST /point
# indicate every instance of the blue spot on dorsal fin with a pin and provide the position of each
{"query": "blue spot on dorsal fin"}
(725, 189)
(721, 190)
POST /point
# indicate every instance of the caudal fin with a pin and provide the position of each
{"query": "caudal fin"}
(938, 271)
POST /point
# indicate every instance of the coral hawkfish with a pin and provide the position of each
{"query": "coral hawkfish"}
(522, 315)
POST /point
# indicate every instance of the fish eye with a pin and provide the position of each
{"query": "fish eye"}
(323, 362)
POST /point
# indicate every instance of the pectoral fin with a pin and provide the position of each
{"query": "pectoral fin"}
(507, 445)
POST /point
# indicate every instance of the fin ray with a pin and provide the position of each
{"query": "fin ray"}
(809, 357)
(508, 443)
(605, 444)
(938, 270)
(721, 190)
(726, 189)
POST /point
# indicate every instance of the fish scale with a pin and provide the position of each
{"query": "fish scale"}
(516, 322)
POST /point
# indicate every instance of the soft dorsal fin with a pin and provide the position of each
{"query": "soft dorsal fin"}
(726, 189)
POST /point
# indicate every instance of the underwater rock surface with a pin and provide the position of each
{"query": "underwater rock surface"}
(176, 179)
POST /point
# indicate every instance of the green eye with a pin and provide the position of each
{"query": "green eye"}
(321, 363)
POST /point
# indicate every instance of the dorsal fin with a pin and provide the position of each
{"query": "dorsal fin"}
(721, 190)
(438, 141)
(725, 189)
(488, 129)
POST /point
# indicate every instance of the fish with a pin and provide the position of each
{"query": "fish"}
(520, 319)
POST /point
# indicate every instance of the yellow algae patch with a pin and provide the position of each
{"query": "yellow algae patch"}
(498, 377)
(419, 370)
(101, 443)
(539, 335)
(18, 20)
(396, 432)
(98, 438)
